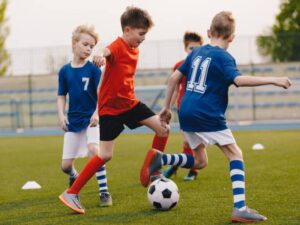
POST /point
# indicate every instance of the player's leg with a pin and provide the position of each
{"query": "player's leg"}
(241, 213)
(101, 177)
(68, 167)
(201, 161)
(71, 151)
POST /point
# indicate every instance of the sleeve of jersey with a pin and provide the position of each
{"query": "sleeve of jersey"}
(113, 48)
(230, 70)
(185, 66)
(62, 85)
(97, 76)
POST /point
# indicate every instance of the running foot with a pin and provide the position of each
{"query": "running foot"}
(105, 199)
(170, 171)
(192, 175)
(246, 216)
(72, 201)
(151, 164)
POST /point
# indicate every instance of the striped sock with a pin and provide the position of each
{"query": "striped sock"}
(181, 160)
(102, 180)
(237, 176)
(73, 173)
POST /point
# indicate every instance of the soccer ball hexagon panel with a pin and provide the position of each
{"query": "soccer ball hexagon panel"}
(163, 194)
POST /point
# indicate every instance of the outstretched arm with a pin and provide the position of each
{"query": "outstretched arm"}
(165, 114)
(99, 59)
(251, 81)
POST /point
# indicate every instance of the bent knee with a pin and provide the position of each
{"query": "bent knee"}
(106, 157)
(66, 168)
(201, 164)
(163, 132)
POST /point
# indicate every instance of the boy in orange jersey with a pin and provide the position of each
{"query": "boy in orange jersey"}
(117, 104)
(191, 40)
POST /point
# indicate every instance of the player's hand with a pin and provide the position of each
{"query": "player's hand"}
(63, 121)
(94, 120)
(165, 116)
(283, 82)
(99, 60)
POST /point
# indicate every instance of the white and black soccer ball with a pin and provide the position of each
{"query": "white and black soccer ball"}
(163, 194)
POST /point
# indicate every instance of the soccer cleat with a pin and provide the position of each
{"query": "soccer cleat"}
(151, 164)
(246, 216)
(105, 199)
(72, 180)
(170, 171)
(72, 201)
(156, 175)
(192, 175)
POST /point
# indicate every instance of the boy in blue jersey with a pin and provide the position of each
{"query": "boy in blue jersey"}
(79, 79)
(210, 70)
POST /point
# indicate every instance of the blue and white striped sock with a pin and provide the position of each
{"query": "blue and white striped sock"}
(102, 180)
(237, 176)
(73, 173)
(181, 160)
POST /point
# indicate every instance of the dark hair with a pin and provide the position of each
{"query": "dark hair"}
(135, 17)
(192, 37)
(222, 25)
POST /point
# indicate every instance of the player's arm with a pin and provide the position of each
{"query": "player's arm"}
(99, 59)
(175, 95)
(165, 114)
(251, 81)
(61, 104)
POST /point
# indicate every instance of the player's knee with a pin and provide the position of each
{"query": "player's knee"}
(106, 156)
(163, 132)
(200, 164)
(93, 149)
(66, 168)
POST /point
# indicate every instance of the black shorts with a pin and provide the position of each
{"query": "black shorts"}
(112, 125)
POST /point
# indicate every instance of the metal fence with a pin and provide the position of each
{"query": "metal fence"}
(30, 101)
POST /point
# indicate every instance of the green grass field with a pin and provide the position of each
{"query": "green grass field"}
(272, 175)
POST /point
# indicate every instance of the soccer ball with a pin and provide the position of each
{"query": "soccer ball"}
(163, 194)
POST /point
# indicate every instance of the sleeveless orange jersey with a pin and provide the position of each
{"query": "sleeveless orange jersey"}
(117, 89)
(181, 84)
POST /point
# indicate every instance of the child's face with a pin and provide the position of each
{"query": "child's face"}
(191, 45)
(83, 47)
(135, 36)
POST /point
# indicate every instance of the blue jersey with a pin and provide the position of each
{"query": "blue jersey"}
(210, 70)
(81, 84)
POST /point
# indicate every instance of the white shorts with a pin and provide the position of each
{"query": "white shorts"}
(76, 143)
(223, 137)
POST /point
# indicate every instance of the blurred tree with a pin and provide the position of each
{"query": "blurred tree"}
(4, 31)
(282, 43)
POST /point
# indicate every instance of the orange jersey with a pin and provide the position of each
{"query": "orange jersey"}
(181, 84)
(117, 89)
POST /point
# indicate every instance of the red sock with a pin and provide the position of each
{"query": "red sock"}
(88, 171)
(159, 142)
(187, 150)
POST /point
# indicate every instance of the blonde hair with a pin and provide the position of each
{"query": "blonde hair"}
(222, 25)
(84, 29)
